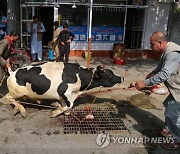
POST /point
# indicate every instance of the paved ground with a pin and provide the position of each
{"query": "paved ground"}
(38, 133)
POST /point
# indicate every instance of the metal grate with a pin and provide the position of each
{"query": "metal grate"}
(104, 121)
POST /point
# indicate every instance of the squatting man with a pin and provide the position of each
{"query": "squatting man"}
(168, 71)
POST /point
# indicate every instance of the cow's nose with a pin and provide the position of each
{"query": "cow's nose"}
(120, 79)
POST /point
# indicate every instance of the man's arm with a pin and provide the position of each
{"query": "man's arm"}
(72, 36)
(156, 70)
(169, 66)
(42, 30)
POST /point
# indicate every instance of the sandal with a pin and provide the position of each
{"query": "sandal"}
(171, 146)
(163, 131)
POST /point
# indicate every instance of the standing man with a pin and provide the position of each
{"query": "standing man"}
(168, 71)
(55, 39)
(36, 30)
(6, 46)
(65, 37)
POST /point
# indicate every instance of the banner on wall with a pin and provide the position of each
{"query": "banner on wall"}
(99, 34)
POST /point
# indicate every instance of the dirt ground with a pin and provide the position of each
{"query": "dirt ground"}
(38, 133)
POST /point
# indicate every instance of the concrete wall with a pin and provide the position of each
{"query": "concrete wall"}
(156, 19)
(174, 28)
(13, 15)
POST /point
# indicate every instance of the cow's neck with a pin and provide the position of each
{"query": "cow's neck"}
(94, 84)
(87, 79)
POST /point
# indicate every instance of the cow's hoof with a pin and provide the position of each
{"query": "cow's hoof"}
(67, 113)
(56, 104)
(55, 113)
(23, 114)
(16, 111)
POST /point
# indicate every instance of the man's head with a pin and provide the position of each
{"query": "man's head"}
(14, 36)
(65, 27)
(158, 41)
(56, 24)
(35, 19)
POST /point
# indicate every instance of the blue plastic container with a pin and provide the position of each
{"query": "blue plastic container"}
(51, 54)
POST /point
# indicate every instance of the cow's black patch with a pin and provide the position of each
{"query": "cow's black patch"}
(62, 88)
(86, 78)
(68, 76)
(39, 83)
(69, 73)
(66, 100)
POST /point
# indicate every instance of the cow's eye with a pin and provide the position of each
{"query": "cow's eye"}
(110, 76)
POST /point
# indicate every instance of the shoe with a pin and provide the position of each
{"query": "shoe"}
(163, 131)
(171, 146)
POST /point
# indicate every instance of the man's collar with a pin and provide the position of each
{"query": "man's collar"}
(166, 46)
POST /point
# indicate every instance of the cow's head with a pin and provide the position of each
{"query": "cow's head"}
(106, 77)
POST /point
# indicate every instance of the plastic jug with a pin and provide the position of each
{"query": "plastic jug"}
(51, 54)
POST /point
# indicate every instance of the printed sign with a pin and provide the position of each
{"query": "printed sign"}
(99, 34)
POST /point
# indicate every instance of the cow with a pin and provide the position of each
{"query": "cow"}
(56, 81)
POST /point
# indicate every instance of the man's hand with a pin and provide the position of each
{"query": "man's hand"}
(7, 64)
(132, 84)
(68, 40)
(140, 84)
(63, 43)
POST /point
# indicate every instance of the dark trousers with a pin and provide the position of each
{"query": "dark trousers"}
(64, 51)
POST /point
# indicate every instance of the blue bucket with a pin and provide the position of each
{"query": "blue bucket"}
(51, 54)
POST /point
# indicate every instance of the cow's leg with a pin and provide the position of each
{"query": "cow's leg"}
(56, 104)
(18, 106)
(69, 99)
(58, 111)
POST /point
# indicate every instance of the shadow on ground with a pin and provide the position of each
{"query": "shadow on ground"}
(145, 121)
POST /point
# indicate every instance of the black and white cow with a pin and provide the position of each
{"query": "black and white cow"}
(56, 81)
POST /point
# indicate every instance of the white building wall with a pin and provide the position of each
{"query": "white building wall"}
(94, 46)
(156, 19)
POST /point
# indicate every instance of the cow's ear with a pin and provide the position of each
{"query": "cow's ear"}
(91, 69)
(100, 68)
(96, 75)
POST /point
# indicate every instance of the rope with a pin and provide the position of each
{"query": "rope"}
(90, 81)
(39, 105)
(51, 107)
(90, 109)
